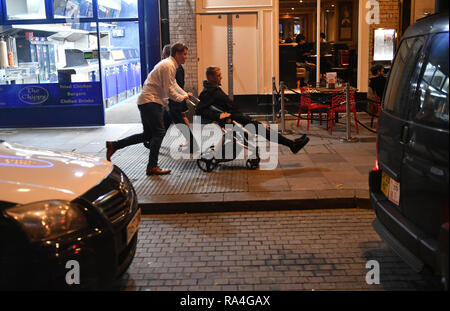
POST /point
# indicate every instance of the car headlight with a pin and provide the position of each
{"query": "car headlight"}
(48, 219)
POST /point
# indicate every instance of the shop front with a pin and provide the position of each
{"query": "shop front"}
(62, 62)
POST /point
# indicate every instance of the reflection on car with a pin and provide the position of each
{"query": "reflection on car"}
(60, 210)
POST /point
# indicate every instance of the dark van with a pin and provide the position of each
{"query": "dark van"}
(409, 185)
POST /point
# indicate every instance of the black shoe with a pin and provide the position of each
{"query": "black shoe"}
(110, 150)
(300, 138)
(299, 144)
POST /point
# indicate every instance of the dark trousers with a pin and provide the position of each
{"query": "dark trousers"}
(143, 137)
(176, 115)
(169, 117)
(244, 120)
(153, 120)
(152, 115)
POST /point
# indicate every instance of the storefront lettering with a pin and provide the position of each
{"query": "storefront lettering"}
(68, 101)
(373, 16)
(33, 95)
(76, 93)
(81, 86)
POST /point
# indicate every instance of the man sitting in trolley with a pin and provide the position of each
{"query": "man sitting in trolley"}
(213, 96)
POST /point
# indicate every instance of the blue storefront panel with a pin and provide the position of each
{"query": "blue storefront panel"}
(51, 58)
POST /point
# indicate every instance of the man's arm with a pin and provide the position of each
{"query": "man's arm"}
(175, 93)
(204, 107)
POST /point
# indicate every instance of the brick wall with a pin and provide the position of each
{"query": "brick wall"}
(389, 18)
(183, 29)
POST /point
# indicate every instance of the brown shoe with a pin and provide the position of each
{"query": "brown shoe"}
(157, 171)
(110, 150)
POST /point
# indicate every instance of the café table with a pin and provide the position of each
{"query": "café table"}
(324, 95)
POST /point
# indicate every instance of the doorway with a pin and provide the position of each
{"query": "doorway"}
(230, 41)
(339, 24)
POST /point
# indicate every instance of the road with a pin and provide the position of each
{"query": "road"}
(275, 251)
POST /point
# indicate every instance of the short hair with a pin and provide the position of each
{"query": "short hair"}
(166, 50)
(177, 47)
(211, 70)
(299, 38)
(376, 68)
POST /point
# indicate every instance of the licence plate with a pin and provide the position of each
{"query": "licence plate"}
(133, 225)
(390, 188)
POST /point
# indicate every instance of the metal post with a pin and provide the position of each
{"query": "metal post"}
(283, 125)
(274, 101)
(347, 111)
(230, 55)
(318, 45)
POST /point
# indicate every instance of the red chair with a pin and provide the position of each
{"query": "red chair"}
(338, 105)
(306, 104)
(377, 102)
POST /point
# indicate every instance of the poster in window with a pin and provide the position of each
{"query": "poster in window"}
(345, 21)
(383, 44)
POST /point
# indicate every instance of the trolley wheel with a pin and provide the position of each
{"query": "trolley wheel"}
(206, 165)
(252, 164)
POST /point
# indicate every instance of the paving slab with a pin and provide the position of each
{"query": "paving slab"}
(328, 173)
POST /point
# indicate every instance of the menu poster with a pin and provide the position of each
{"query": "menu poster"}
(331, 79)
(384, 45)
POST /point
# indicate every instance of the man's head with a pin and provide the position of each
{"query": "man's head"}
(377, 70)
(322, 36)
(214, 74)
(166, 51)
(300, 38)
(179, 52)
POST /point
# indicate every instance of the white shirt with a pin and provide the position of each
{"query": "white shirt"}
(161, 84)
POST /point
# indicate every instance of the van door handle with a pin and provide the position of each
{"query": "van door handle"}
(404, 134)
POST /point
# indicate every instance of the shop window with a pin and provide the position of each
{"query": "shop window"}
(48, 53)
(25, 9)
(72, 8)
(120, 61)
(110, 9)
(432, 96)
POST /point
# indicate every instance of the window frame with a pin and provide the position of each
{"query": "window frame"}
(388, 90)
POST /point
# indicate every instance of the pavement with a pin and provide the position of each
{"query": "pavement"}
(330, 172)
(298, 250)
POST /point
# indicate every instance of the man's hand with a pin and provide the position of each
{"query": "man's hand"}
(189, 94)
(224, 115)
(266, 125)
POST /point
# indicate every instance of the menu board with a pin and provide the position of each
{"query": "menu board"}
(384, 45)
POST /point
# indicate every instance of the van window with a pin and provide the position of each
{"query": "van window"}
(400, 79)
(432, 95)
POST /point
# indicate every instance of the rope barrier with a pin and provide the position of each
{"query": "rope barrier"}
(367, 128)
